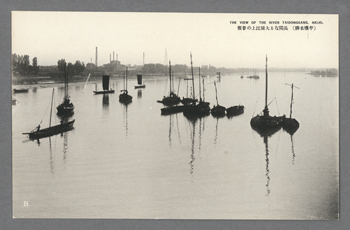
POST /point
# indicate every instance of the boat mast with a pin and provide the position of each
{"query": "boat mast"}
(266, 110)
(216, 94)
(199, 78)
(291, 103)
(51, 107)
(203, 89)
(170, 75)
(65, 80)
(126, 80)
(194, 97)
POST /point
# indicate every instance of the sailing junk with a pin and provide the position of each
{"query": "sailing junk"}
(139, 76)
(105, 86)
(172, 99)
(193, 110)
(51, 130)
(124, 97)
(139, 82)
(217, 110)
(265, 124)
(290, 125)
(66, 107)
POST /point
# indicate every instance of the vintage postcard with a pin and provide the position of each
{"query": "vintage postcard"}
(175, 115)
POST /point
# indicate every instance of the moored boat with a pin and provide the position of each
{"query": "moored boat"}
(172, 99)
(38, 133)
(290, 125)
(105, 86)
(124, 97)
(66, 107)
(265, 124)
(218, 110)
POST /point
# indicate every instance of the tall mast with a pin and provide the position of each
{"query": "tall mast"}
(51, 107)
(199, 78)
(266, 84)
(170, 75)
(291, 103)
(216, 94)
(203, 89)
(126, 79)
(65, 80)
(194, 97)
(266, 110)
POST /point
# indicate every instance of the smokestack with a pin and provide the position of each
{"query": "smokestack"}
(113, 55)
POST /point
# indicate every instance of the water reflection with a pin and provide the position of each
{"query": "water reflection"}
(139, 93)
(193, 122)
(171, 125)
(65, 147)
(267, 165)
(216, 130)
(105, 101)
(51, 157)
(293, 154)
(169, 136)
(125, 119)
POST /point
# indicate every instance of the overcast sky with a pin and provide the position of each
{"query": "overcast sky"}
(211, 38)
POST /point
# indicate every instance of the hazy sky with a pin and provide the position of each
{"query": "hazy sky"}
(211, 38)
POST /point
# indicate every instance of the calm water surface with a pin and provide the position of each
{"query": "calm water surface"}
(131, 162)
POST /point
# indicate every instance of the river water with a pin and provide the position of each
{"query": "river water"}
(130, 162)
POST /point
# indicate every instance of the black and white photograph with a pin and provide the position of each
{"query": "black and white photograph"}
(150, 115)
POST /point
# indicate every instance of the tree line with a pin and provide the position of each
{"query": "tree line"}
(21, 65)
(76, 68)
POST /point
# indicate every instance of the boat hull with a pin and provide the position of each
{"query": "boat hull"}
(125, 98)
(103, 92)
(20, 90)
(235, 110)
(266, 126)
(218, 111)
(172, 110)
(197, 111)
(290, 125)
(53, 130)
(170, 101)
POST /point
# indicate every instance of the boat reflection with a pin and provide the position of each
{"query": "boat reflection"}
(125, 118)
(293, 154)
(193, 134)
(139, 93)
(267, 165)
(51, 158)
(171, 124)
(105, 101)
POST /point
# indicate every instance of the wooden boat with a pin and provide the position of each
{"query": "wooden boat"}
(66, 107)
(139, 76)
(290, 125)
(105, 86)
(20, 90)
(38, 133)
(254, 76)
(218, 110)
(172, 109)
(124, 97)
(194, 110)
(172, 99)
(139, 82)
(14, 101)
(235, 110)
(265, 124)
